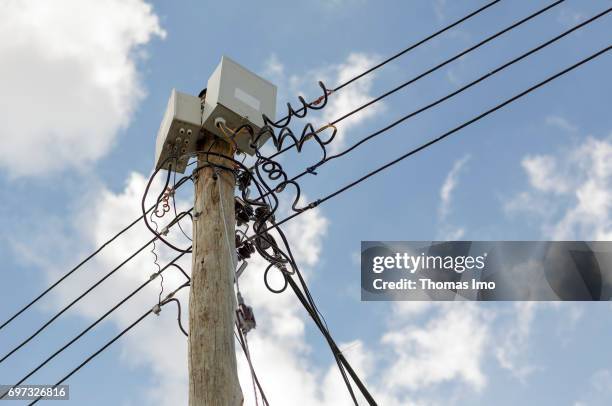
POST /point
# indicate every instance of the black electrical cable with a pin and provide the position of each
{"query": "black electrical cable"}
(243, 344)
(309, 305)
(174, 206)
(309, 132)
(104, 347)
(178, 317)
(60, 280)
(95, 323)
(454, 93)
(95, 354)
(433, 141)
(307, 302)
(81, 296)
(88, 258)
(273, 168)
(144, 196)
(305, 298)
(449, 60)
(182, 271)
(285, 120)
(334, 347)
(467, 123)
(274, 259)
(415, 45)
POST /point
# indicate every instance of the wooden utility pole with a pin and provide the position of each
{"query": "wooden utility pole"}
(213, 376)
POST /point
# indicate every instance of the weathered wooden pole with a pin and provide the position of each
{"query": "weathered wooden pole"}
(213, 377)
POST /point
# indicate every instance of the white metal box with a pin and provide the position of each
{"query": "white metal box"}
(178, 131)
(238, 96)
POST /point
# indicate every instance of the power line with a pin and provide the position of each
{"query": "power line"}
(386, 61)
(411, 47)
(260, 217)
(310, 306)
(435, 68)
(449, 60)
(467, 123)
(241, 338)
(98, 352)
(83, 262)
(81, 296)
(109, 343)
(431, 142)
(415, 45)
(307, 301)
(99, 320)
(311, 169)
(456, 92)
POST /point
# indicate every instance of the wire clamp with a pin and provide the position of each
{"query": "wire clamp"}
(246, 318)
(313, 204)
(156, 309)
(321, 98)
(311, 170)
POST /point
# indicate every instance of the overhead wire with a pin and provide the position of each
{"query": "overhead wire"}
(337, 88)
(309, 132)
(449, 60)
(456, 92)
(79, 265)
(102, 318)
(305, 296)
(231, 256)
(301, 112)
(245, 348)
(105, 346)
(307, 301)
(319, 201)
(76, 300)
(417, 44)
(273, 169)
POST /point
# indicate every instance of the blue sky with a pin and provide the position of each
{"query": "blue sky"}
(84, 98)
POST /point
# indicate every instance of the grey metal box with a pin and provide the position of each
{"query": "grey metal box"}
(238, 96)
(178, 131)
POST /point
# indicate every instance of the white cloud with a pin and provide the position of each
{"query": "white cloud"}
(351, 97)
(69, 77)
(577, 184)
(449, 185)
(599, 392)
(544, 174)
(451, 346)
(561, 123)
(570, 17)
(440, 9)
(446, 230)
(510, 351)
(274, 70)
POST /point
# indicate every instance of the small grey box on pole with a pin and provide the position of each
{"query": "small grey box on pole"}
(192, 126)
